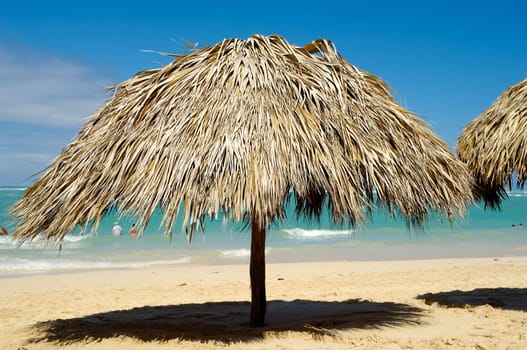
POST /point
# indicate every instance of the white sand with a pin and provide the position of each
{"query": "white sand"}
(420, 304)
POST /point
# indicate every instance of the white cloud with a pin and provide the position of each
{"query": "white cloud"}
(44, 101)
(26, 151)
(20, 168)
(37, 88)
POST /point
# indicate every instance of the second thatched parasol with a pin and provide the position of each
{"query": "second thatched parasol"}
(239, 127)
(494, 145)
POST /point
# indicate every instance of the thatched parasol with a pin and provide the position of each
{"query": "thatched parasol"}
(494, 145)
(238, 128)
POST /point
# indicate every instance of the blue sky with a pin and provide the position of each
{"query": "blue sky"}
(446, 60)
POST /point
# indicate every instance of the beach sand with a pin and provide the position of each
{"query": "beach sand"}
(416, 304)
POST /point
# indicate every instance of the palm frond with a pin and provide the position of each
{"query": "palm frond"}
(494, 145)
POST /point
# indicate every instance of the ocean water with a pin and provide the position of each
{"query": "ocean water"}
(482, 233)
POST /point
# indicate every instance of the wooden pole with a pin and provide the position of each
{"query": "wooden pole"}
(257, 272)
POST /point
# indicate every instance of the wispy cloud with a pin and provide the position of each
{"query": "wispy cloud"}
(24, 151)
(44, 101)
(38, 88)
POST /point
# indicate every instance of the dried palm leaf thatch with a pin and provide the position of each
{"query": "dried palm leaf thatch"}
(233, 127)
(240, 127)
(494, 145)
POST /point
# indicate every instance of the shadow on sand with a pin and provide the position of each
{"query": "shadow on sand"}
(503, 298)
(226, 321)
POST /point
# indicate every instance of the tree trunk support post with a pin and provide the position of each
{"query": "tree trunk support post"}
(257, 272)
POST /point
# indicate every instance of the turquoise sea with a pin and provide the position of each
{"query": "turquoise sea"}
(482, 233)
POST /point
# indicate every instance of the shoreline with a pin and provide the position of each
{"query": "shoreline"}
(348, 252)
(306, 254)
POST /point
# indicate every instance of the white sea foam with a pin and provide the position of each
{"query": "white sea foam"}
(38, 242)
(15, 264)
(77, 238)
(316, 234)
(13, 188)
(517, 194)
(238, 253)
(6, 240)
